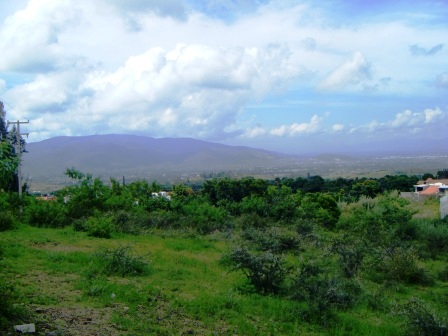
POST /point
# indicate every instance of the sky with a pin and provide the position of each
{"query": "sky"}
(296, 77)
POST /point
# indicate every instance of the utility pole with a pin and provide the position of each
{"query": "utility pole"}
(19, 149)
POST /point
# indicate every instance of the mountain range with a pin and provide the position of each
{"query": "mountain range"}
(137, 156)
(175, 160)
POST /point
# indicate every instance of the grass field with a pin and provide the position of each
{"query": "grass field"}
(173, 283)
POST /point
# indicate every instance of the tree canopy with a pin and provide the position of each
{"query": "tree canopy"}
(9, 160)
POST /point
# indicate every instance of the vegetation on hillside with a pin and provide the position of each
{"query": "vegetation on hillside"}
(247, 256)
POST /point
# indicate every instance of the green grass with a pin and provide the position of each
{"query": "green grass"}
(184, 290)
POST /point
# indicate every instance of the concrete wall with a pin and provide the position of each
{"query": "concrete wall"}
(444, 206)
(415, 197)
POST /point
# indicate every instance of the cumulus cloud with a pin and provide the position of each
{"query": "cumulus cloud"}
(296, 129)
(407, 122)
(29, 37)
(352, 72)
(192, 90)
(416, 50)
(190, 68)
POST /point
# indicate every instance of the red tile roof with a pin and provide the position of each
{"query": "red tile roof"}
(431, 190)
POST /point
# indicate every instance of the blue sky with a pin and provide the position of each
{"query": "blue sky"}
(297, 77)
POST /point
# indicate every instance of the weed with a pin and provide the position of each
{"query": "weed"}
(120, 261)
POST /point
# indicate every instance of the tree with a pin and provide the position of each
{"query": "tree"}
(9, 160)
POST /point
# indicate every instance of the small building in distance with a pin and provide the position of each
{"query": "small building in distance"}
(431, 187)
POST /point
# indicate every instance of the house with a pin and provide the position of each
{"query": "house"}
(431, 187)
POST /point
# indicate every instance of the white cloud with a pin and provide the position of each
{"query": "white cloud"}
(433, 115)
(352, 72)
(296, 129)
(192, 90)
(29, 37)
(408, 122)
(338, 127)
(173, 68)
(254, 132)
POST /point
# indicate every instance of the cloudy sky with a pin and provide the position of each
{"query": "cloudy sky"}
(292, 76)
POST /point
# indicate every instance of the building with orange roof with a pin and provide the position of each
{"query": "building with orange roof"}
(431, 187)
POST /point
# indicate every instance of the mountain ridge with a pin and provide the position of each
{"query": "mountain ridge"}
(121, 154)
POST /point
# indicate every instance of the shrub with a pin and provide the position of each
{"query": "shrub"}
(265, 271)
(443, 274)
(351, 255)
(45, 214)
(7, 221)
(130, 222)
(252, 220)
(435, 236)
(323, 294)
(9, 312)
(274, 239)
(99, 226)
(203, 216)
(421, 321)
(120, 261)
(304, 227)
(80, 224)
(401, 265)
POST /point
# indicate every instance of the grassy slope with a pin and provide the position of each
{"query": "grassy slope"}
(186, 291)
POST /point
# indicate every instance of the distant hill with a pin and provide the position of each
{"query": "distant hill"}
(176, 160)
(117, 155)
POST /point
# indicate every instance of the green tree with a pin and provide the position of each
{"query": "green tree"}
(369, 188)
(9, 160)
(321, 208)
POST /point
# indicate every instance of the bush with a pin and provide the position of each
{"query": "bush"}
(7, 221)
(9, 312)
(401, 265)
(443, 274)
(351, 255)
(265, 271)
(162, 219)
(421, 321)
(434, 234)
(99, 226)
(203, 216)
(274, 239)
(252, 220)
(323, 294)
(131, 222)
(304, 227)
(120, 261)
(45, 214)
